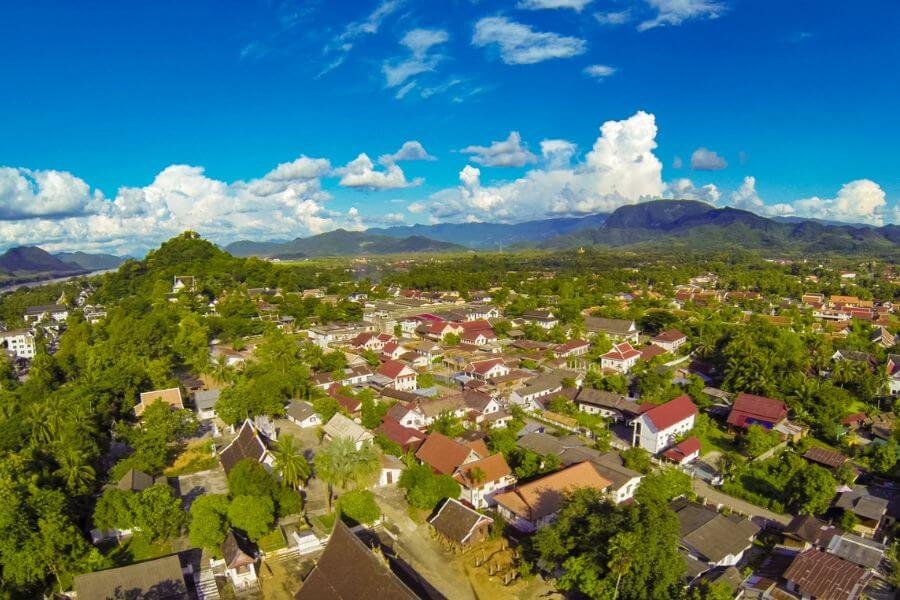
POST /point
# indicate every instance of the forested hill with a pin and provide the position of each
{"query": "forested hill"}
(341, 242)
(685, 223)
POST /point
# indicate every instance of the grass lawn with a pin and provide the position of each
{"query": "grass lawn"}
(134, 549)
(716, 440)
(325, 522)
(272, 541)
(196, 457)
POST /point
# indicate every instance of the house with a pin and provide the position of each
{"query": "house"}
(749, 409)
(205, 404)
(460, 525)
(156, 578)
(391, 468)
(448, 405)
(445, 455)
(487, 369)
(239, 558)
(407, 414)
(806, 531)
(814, 574)
(397, 375)
(407, 438)
(183, 283)
(621, 358)
(867, 504)
(710, 537)
(248, 444)
(656, 428)
(893, 370)
(481, 404)
(55, 312)
(669, 340)
(302, 414)
(369, 340)
(683, 452)
(545, 319)
(393, 350)
(340, 426)
(621, 330)
(571, 349)
(831, 459)
(608, 405)
(882, 337)
(171, 396)
(530, 506)
(137, 481)
(18, 343)
(863, 552)
(650, 351)
(482, 479)
(338, 333)
(349, 570)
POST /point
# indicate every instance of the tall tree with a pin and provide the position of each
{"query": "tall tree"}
(290, 462)
(339, 463)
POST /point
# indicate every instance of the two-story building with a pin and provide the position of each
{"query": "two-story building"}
(657, 427)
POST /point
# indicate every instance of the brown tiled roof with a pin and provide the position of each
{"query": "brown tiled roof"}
(824, 456)
(171, 396)
(671, 335)
(749, 409)
(442, 454)
(494, 467)
(542, 497)
(457, 522)
(826, 577)
(237, 551)
(348, 570)
(407, 437)
(811, 530)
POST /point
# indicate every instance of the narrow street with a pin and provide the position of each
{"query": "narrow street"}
(714, 496)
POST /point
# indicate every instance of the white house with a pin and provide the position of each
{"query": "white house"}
(18, 342)
(407, 414)
(391, 468)
(656, 429)
(239, 558)
(487, 369)
(341, 426)
(397, 375)
(482, 479)
(56, 312)
(544, 319)
(621, 358)
(669, 340)
(301, 413)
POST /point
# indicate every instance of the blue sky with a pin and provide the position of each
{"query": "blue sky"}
(159, 116)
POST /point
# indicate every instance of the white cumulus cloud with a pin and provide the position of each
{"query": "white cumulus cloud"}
(420, 59)
(508, 153)
(28, 193)
(684, 189)
(859, 201)
(599, 71)
(411, 150)
(704, 159)
(521, 45)
(360, 173)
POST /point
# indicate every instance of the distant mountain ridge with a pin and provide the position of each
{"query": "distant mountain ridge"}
(91, 262)
(341, 242)
(27, 260)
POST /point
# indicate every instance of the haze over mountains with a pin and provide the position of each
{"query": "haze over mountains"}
(31, 261)
(683, 222)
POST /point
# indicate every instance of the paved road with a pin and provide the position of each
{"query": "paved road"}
(714, 496)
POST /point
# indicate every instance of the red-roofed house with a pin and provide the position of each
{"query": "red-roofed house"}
(487, 369)
(397, 375)
(671, 340)
(572, 348)
(651, 351)
(407, 438)
(393, 350)
(370, 340)
(750, 410)
(477, 337)
(683, 452)
(655, 429)
(408, 414)
(621, 358)
(445, 455)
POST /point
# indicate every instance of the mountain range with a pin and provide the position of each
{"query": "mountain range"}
(31, 262)
(679, 223)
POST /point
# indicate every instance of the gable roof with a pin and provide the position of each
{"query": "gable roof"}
(858, 550)
(407, 437)
(457, 522)
(608, 400)
(442, 454)
(749, 409)
(206, 399)
(171, 396)
(683, 449)
(811, 530)
(825, 576)
(483, 366)
(494, 467)
(247, 444)
(669, 413)
(824, 456)
(542, 497)
(300, 410)
(340, 426)
(134, 481)
(711, 534)
(158, 578)
(622, 351)
(237, 551)
(348, 570)
(392, 369)
(670, 335)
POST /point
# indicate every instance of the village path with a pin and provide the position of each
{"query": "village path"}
(714, 496)
(415, 546)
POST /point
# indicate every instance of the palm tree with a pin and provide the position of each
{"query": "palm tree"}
(290, 462)
(75, 474)
(622, 550)
(340, 463)
(220, 371)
